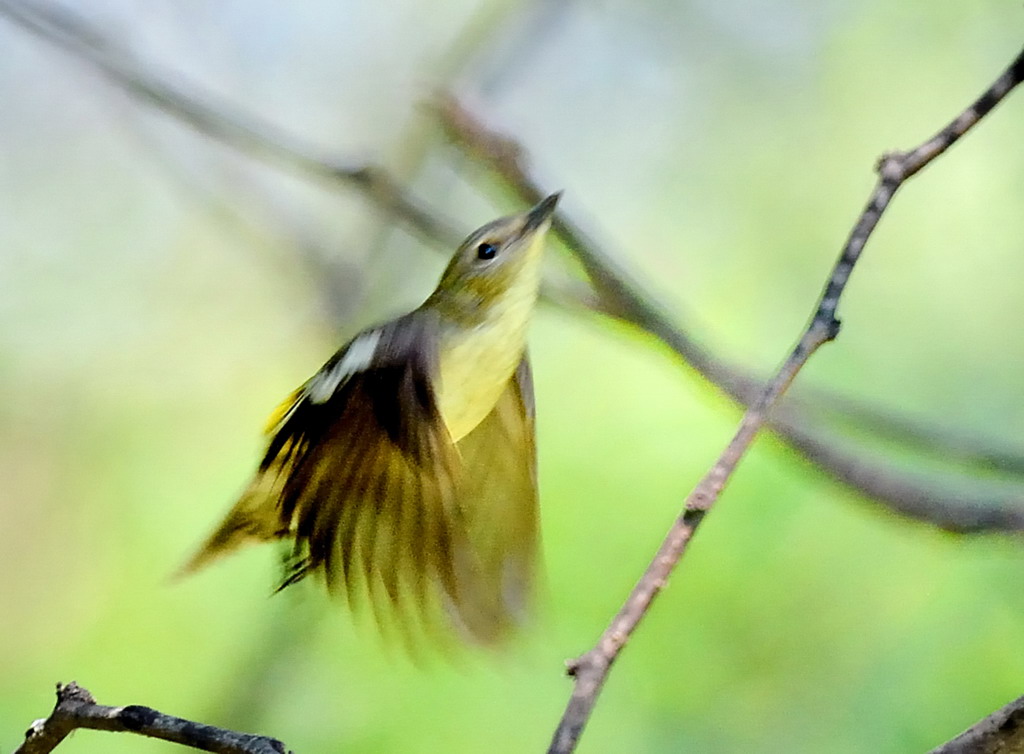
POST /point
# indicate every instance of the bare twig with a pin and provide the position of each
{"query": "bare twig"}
(619, 295)
(76, 708)
(1002, 732)
(591, 669)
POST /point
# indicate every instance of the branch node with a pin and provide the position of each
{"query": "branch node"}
(832, 329)
(72, 692)
(699, 501)
(890, 166)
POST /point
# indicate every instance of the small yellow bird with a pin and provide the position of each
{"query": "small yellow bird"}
(405, 468)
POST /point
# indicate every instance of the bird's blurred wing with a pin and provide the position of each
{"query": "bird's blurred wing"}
(361, 472)
(498, 497)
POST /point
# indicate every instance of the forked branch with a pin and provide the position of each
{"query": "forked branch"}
(76, 708)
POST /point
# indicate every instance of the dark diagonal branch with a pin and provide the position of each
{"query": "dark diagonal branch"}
(952, 445)
(76, 708)
(1002, 732)
(217, 118)
(913, 496)
(617, 292)
(621, 296)
(591, 669)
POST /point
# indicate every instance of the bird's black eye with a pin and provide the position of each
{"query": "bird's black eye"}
(486, 251)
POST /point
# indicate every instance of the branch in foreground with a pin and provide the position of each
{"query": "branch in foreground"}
(591, 669)
(76, 708)
(619, 295)
(622, 297)
(1002, 732)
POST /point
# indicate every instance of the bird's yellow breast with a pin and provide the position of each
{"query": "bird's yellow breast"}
(476, 363)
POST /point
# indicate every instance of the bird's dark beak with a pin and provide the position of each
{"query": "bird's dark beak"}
(541, 213)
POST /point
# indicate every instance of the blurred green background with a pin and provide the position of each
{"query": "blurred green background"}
(160, 292)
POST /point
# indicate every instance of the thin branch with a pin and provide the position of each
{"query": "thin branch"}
(76, 708)
(618, 293)
(912, 496)
(217, 118)
(1002, 732)
(621, 296)
(591, 669)
(926, 437)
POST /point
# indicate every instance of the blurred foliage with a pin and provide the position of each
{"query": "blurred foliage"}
(159, 293)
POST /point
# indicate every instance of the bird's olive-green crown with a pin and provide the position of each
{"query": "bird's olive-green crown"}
(492, 261)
